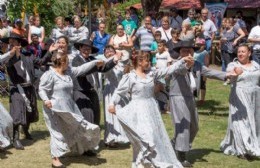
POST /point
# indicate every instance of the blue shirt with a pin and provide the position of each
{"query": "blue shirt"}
(200, 56)
(100, 42)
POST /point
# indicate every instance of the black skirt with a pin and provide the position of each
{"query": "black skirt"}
(18, 109)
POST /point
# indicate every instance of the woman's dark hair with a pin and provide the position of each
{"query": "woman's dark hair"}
(109, 47)
(175, 31)
(138, 56)
(58, 58)
(65, 38)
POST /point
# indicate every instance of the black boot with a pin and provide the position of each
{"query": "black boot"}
(183, 160)
(17, 143)
(26, 132)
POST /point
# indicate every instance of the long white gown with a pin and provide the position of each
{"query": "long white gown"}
(6, 127)
(114, 132)
(243, 130)
(69, 131)
(141, 119)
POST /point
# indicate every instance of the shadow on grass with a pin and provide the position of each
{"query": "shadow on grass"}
(90, 161)
(213, 107)
(197, 155)
(36, 135)
(4, 153)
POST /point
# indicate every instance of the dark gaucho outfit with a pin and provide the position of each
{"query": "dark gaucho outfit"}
(85, 94)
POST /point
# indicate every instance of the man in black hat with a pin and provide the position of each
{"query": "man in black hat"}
(23, 104)
(182, 101)
(85, 94)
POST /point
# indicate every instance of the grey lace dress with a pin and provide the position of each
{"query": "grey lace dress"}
(141, 119)
(68, 130)
(6, 127)
(114, 132)
(243, 130)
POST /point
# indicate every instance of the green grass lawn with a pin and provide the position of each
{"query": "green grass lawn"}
(205, 153)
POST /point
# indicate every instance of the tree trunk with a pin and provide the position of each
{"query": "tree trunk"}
(151, 5)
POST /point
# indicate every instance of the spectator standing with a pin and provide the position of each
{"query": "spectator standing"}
(173, 43)
(254, 37)
(175, 19)
(129, 25)
(145, 34)
(100, 38)
(209, 29)
(60, 29)
(165, 29)
(154, 47)
(229, 40)
(3, 30)
(36, 28)
(18, 28)
(77, 33)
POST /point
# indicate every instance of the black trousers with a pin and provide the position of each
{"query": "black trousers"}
(18, 109)
(88, 103)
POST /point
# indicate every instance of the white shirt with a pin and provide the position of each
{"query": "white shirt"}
(209, 28)
(166, 34)
(255, 33)
(162, 59)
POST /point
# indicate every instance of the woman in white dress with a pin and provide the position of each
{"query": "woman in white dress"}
(37, 29)
(243, 133)
(59, 30)
(114, 133)
(68, 129)
(141, 118)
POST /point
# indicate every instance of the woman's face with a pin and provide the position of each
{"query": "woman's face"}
(59, 24)
(228, 24)
(175, 36)
(37, 22)
(109, 52)
(62, 45)
(77, 23)
(243, 54)
(120, 30)
(165, 24)
(145, 63)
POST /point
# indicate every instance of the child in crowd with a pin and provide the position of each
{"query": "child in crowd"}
(163, 58)
(201, 56)
(154, 46)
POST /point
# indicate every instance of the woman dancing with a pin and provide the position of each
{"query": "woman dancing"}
(141, 118)
(69, 131)
(243, 134)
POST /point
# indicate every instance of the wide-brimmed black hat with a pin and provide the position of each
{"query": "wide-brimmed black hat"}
(186, 44)
(18, 37)
(87, 43)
